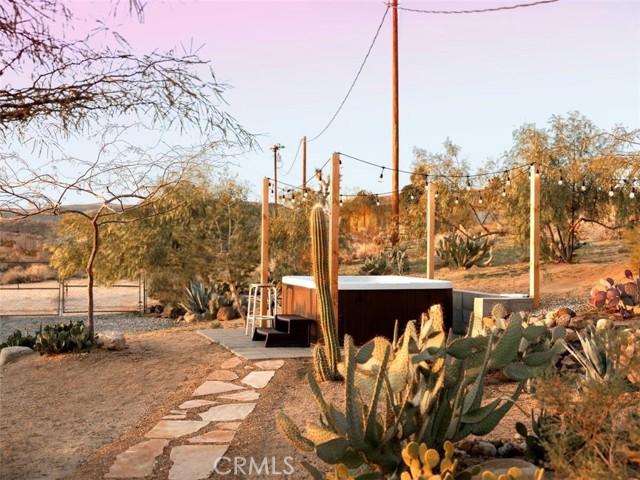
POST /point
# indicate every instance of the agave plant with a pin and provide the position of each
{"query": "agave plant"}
(464, 250)
(198, 298)
(601, 353)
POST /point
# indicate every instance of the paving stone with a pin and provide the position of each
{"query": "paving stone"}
(211, 387)
(228, 425)
(258, 379)
(175, 416)
(196, 403)
(249, 367)
(138, 461)
(177, 412)
(246, 396)
(232, 411)
(175, 428)
(231, 363)
(194, 462)
(270, 364)
(215, 436)
(222, 375)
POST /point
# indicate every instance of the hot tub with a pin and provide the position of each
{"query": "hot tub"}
(369, 305)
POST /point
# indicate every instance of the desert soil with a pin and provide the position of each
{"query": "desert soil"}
(69, 416)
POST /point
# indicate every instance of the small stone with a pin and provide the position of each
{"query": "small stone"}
(212, 387)
(249, 367)
(550, 322)
(502, 466)
(195, 462)
(572, 336)
(175, 417)
(176, 428)
(484, 449)
(535, 321)
(567, 361)
(563, 320)
(233, 362)
(11, 354)
(270, 364)
(215, 436)
(138, 461)
(196, 403)
(226, 313)
(227, 375)
(177, 412)
(565, 311)
(258, 379)
(459, 453)
(112, 340)
(575, 323)
(190, 317)
(550, 316)
(604, 324)
(465, 444)
(505, 450)
(518, 448)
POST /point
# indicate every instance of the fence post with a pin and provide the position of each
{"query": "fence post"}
(534, 236)
(431, 229)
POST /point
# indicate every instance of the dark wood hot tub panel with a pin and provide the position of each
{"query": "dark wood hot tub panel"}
(365, 314)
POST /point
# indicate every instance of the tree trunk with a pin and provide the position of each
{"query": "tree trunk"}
(236, 297)
(89, 270)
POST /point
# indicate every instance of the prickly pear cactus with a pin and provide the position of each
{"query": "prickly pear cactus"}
(499, 311)
(325, 357)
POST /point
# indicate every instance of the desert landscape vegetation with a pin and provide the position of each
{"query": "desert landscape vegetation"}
(117, 264)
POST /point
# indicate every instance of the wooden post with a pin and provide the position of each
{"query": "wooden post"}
(264, 248)
(395, 136)
(334, 230)
(431, 229)
(534, 237)
(304, 162)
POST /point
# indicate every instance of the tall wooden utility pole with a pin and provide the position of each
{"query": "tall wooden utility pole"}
(275, 149)
(395, 137)
(431, 229)
(534, 237)
(304, 163)
(264, 246)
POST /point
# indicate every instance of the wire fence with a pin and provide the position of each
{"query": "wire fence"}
(32, 289)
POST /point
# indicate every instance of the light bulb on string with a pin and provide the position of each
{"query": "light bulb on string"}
(412, 196)
(584, 186)
(426, 182)
(457, 200)
(381, 175)
(508, 178)
(436, 194)
(504, 192)
(561, 181)
(468, 183)
(377, 201)
(632, 193)
(340, 200)
(611, 193)
(480, 200)
(305, 194)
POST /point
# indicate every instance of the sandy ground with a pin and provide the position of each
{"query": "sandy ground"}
(57, 411)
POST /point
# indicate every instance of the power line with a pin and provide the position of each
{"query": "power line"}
(366, 57)
(294, 159)
(482, 10)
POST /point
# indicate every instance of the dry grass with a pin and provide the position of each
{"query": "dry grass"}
(31, 274)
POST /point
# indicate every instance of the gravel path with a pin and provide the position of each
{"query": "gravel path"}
(125, 323)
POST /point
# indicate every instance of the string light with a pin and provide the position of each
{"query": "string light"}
(611, 191)
(305, 194)
(632, 193)
(480, 200)
(508, 178)
(377, 201)
(561, 181)
(412, 196)
(584, 186)
(468, 183)
(340, 200)
(504, 192)
(381, 175)
(457, 200)
(436, 194)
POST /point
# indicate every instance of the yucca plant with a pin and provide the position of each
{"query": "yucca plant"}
(198, 298)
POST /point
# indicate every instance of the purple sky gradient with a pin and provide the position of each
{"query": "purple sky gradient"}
(473, 78)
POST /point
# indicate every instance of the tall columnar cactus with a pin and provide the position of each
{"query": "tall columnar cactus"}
(418, 389)
(327, 356)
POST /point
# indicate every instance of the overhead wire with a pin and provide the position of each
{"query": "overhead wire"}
(478, 10)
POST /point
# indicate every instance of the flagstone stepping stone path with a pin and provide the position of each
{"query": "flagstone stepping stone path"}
(196, 434)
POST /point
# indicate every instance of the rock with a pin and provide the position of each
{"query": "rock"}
(173, 311)
(112, 340)
(572, 336)
(518, 448)
(550, 315)
(157, 308)
(505, 450)
(11, 354)
(604, 324)
(488, 322)
(233, 362)
(564, 320)
(226, 313)
(465, 444)
(565, 311)
(484, 449)
(502, 466)
(575, 323)
(459, 453)
(190, 317)
(568, 362)
(636, 310)
(550, 322)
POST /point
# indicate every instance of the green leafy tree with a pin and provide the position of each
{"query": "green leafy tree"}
(587, 176)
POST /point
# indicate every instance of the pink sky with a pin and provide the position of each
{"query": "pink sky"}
(474, 78)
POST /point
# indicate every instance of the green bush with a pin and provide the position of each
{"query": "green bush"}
(17, 339)
(64, 337)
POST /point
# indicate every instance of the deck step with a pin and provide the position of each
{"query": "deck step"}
(288, 331)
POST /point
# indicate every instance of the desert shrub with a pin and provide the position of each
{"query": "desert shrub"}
(596, 433)
(17, 339)
(33, 273)
(64, 337)
(632, 242)
(464, 250)
(390, 260)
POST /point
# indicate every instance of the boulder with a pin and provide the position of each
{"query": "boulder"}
(465, 445)
(502, 466)
(226, 313)
(565, 311)
(485, 449)
(172, 311)
(505, 450)
(563, 320)
(604, 324)
(112, 340)
(190, 317)
(11, 354)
